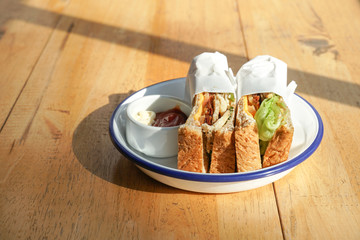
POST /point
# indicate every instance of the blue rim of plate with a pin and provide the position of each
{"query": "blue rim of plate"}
(223, 177)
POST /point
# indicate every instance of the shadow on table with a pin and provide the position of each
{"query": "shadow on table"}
(95, 151)
(328, 88)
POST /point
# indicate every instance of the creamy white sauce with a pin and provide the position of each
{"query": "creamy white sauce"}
(145, 117)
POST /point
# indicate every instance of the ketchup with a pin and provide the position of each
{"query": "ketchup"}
(170, 118)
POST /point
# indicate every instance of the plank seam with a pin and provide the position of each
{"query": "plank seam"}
(30, 74)
(278, 210)
(242, 29)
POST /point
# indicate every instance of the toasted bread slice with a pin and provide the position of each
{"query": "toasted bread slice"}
(223, 152)
(191, 154)
(246, 140)
(278, 148)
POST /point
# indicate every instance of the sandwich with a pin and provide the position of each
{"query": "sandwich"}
(263, 131)
(206, 142)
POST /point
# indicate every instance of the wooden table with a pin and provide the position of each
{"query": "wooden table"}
(66, 64)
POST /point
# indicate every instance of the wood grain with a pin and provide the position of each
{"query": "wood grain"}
(321, 198)
(22, 42)
(66, 65)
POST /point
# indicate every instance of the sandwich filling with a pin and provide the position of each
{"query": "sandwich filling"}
(214, 111)
(270, 112)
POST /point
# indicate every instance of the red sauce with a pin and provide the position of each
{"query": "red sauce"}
(170, 118)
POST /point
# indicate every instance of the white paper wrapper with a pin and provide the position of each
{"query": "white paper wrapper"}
(264, 74)
(209, 72)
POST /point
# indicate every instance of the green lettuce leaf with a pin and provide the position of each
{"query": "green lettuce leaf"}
(269, 117)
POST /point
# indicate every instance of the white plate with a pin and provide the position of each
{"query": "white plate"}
(307, 137)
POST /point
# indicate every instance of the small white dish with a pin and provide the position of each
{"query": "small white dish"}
(307, 137)
(161, 142)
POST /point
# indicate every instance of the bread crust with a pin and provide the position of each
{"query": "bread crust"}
(223, 154)
(246, 141)
(191, 158)
(279, 146)
(191, 154)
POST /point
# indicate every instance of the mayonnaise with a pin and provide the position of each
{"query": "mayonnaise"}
(145, 117)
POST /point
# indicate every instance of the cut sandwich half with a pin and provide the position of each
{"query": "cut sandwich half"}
(263, 131)
(206, 141)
